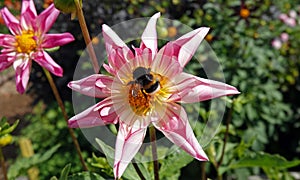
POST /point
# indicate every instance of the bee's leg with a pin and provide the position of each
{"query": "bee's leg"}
(145, 95)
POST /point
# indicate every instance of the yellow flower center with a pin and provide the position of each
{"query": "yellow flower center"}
(139, 102)
(244, 13)
(25, 43)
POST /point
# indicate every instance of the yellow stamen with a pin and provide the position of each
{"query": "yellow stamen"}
(140, 102)
(25, 43)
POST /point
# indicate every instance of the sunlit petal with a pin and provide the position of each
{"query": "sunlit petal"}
(190, 89)
(149, 36)
(129, 141)
(98, 115)
(175, 126)
(96, 85)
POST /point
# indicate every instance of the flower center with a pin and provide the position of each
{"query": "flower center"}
(25, 43)
(139, 101)
(145, 90)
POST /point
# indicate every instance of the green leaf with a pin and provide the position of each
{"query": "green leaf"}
(23, 164)
(172, 164)
(65, 172)
(5, 128)
(130, 172)
(85, 176)
(266, 160)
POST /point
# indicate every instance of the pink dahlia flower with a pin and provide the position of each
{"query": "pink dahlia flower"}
(27, 42)
(145, 88)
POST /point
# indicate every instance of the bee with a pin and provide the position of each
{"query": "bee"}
(143, 81)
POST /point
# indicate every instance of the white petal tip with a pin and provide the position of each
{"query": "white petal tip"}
(105, 27)
(156, 15)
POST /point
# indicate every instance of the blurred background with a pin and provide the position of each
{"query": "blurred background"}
(257, 44)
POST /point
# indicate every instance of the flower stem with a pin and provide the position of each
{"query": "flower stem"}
(3, 165)
(138, 171)
(86, 36)
(228, 120)
(154, 151)
(63, 110)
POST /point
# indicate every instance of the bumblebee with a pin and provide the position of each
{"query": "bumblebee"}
(143, 81)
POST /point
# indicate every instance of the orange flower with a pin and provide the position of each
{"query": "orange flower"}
(172, 31)
(47, 3)
(209, 37)
(244, 13)
(1, 19)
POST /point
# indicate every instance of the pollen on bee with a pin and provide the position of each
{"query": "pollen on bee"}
(140, 102)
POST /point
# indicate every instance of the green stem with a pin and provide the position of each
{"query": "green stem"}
(154, 152)
(63, 110)
(228, 120)
(86, 36)
(138, 171)
(202, 166)
(3, 165)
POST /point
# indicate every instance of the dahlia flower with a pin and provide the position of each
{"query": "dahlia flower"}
(144, 89)
(27, 42)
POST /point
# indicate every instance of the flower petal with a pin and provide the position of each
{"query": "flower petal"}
(44, 60)
(175, 126)
(5, 61)
(22, 68)
(190, 89)
(117, 51)
(54, 40)
(7, 40)
(149, 36)
(166, 65)
(45, 20)
(28, 14)
(184, 48)
(28, 5)
(11, 21)
(100, 114)
(129, 141)
(96, 85)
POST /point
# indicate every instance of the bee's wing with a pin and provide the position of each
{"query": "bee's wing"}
(135, 89)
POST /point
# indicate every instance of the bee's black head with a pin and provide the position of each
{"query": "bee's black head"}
(142, 75)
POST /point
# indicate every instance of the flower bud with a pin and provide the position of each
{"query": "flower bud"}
(5, 140)
(66, 6)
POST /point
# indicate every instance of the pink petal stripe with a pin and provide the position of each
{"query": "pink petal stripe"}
(45, 20)
(175, 126)
(166, 65)
(5, 61)
(149, 36)
(96, 85)
(184, 48)
(54, 40)
(129, 141)
(11, 21)
(28, 14)
(98, 115)
(22, 75)
(28, 5)
(44, 60)
(190, 89)
(7, 40)
(117, 51)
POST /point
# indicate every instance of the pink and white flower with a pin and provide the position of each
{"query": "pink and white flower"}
(27, 42)
(136, 111)
(276, 43)
(284, 37)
